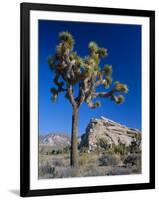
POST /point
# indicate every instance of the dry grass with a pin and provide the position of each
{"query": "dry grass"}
(90, 164)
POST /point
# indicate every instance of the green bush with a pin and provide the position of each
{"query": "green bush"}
(64, 172)
(103, 144)
(47, 171)
(66, 149)
(120, 149)
(92, 170)
(119, 171)
(133, 159)
(135, 147)
(83, 159)
(84, 149)
(137, 167)
(53, 151)
(108, 160)
(60, 151)
(57, 162)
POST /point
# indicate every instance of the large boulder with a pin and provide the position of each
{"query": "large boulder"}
(108, 130)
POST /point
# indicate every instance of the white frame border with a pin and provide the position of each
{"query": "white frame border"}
(35, 183)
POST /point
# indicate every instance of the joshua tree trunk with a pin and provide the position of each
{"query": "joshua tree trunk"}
(74, 153)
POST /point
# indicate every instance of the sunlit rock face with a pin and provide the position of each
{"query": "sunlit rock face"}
(108, 130)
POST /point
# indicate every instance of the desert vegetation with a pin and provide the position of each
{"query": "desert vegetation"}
(105, 160)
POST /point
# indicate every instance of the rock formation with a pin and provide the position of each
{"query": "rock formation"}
(109, 131)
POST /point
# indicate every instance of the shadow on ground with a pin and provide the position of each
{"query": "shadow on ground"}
(15, 192)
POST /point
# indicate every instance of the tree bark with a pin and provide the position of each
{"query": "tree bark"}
(74, 151)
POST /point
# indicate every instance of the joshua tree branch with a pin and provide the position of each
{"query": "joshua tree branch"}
(103, 94)
(71, 97)
(59, 84)
(117, 98)
(81, 95)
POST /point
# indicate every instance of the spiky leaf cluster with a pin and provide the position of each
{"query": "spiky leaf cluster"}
(71, 69)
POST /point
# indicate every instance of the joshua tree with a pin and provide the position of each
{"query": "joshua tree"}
(83, 75)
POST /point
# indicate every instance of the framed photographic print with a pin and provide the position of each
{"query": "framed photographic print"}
(87, 99)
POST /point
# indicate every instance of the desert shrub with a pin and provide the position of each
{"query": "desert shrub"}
(67, 156)
(57, 162)
(59, 151)
(66, 149)
(133, 159)
(83, 159)
(53, 151)
(47, 170)
(110, 151)
(137, 167)
(135, 147)
(92, 170)
(63, 172)
(108, 160)
(120, 149)
(84, 149)
(138, 137)
(41, 150)
(119, 171)
(103, 144)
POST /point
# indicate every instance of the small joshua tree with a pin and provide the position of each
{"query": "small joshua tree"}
(71, 72)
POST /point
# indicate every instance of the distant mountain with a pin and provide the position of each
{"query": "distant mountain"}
(108, 130)
(56, 140)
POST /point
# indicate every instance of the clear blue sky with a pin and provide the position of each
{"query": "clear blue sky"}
(124, 54)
